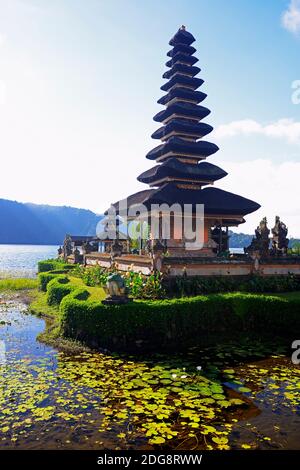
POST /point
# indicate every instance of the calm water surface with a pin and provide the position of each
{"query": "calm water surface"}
(54, 400)
(21, 260)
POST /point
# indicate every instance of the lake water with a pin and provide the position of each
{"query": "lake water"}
(21, 260)
(237, 251)
(89, 400)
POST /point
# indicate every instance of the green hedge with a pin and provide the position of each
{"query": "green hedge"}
(79, 294)
(176, 322)
(198, 285)
(53, 264)
(45, 278)
(58, 288)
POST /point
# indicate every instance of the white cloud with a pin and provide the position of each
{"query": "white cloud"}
(274, 186)
(2, 92)
(287, 129)
(2, 39)
(291, 17)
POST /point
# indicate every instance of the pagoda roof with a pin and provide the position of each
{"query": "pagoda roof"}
(182, 68)
(216, 201)
(183, 80)
(180, 57)
(183, 147)
(133, 199)
(199, 129)
(182, 48)
(204, 171)
(182, 37)
(187, 110)
(184, 94)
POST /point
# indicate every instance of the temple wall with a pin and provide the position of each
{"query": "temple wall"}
(210, 270)
(269, 270)
(136, 263)
(201, 266)
(98, 259)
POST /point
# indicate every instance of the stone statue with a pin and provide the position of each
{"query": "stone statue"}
(86, 248)
(77, 256)
(260, 243)
(157, 246)
(67, 249)
(116, 248)
(60, 251)
(280, 242)
(116, 290)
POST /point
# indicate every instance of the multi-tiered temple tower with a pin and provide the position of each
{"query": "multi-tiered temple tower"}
(182, 175)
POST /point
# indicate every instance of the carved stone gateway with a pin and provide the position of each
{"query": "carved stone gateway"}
(67, 249)
(280, 242)
(260, 243)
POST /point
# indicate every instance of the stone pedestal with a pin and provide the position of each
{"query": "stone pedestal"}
(116, 300)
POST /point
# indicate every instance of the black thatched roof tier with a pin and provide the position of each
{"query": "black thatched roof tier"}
(133, 199)
(204, 172)
(181, 147)
(180, 57)
(182, 48)
(181, 128)
(216, 201)
(182, 80)
(182, 109)
(182, 68)
(182, 37)
(183, 94)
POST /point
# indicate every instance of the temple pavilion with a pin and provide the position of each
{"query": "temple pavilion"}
(182, 173)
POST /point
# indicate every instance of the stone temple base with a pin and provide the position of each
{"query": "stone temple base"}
(116, 300)
(236, 265)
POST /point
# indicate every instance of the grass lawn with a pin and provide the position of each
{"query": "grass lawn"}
(17, 284)
(39, 305)
(96, 293)
(295, 295)
(288, 295)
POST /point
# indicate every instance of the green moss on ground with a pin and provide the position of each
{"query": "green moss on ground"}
(17, 284)
(40, 307)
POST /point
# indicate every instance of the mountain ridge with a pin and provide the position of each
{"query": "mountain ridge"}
(42, 224)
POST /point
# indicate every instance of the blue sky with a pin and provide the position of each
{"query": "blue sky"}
(79, 81)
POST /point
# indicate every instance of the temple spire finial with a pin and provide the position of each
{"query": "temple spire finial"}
(182, 27)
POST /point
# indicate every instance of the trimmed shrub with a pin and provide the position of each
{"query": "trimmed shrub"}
(198, 285)
(45, 278)
(58, 288)
(80, 294)
(177, 322)
(54, 264)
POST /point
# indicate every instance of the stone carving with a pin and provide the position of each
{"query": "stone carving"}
(87, 248)
(77, 256)
(67, 249)
(157, 246)
(280, 242)
(116, 249)
(116, 290)
(260, 243)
